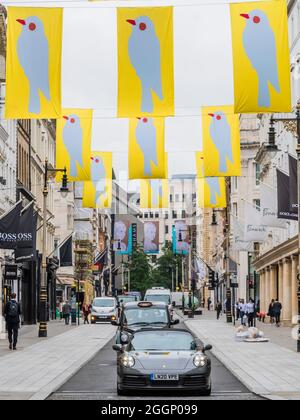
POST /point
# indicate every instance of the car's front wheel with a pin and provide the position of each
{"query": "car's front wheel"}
(121, 391)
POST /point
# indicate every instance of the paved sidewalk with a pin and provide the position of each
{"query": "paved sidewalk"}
(28, 335)
(41, 368)
(266, 369)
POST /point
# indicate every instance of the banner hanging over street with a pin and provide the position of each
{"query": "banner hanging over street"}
(154, 194)
(180, 237)
(145, 62)
(254, 231)
(146, 156)
(221, 141)
(211, 192)
(33, 66)
(261, 57)
(97, 193)
(269, 208)
(122, 237)
(73, 144)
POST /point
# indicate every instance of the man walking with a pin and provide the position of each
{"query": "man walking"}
(66, 312)
(277, 307)
(208, 303)
(12, 314)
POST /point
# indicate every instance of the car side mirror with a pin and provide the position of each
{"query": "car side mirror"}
(117, 347)
(115, 323)
(124, 339)
(175, 322)
(208, 347)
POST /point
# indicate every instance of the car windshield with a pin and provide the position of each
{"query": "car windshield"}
(125, 299)
(163, 340)
(158, 298)
(105, 303)
(138, 316)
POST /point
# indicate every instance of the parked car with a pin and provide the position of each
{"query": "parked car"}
(127, 298)
(104, 309)
(137, 315)
(160, 360)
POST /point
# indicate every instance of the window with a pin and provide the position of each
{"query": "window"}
(256, 204)
(235, 182)
(177, 198)
(146, 215)
(166, 229)
(171, 198)
(174, 214)
(156, 215)
(257, 173)
(183, 214)
(235, 209)
(183, 197)
(166, 215)
(151, 215)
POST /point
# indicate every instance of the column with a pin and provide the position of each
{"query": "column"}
(273, 286)
(286, 293)
(262, 290)
(267, 290)
(280, 281)
(294, 289)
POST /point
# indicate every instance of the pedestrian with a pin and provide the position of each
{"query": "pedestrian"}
(60, 306)
(242, 309)
(12, 314)
(237, 309)
(218, 309)
(208, 303)
(271, 311)
(277, 307)
(66, 312)
(86, 310)
(250, 312)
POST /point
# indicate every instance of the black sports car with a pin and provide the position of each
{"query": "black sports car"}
(163, 360)
(139, 315)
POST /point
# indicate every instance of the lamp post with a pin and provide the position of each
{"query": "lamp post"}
(43, 316)
(271, 146)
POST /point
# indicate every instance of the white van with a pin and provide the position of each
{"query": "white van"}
(159, 294)
(177, 298)
(104, 309)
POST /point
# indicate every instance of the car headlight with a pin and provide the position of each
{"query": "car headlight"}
(200, 360)
(127, 360)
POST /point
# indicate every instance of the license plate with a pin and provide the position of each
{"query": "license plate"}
(164, 377)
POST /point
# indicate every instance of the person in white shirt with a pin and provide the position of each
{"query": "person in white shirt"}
(242, 308)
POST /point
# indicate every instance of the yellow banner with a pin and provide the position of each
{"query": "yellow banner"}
(154, 194)
(261, 57)
(73, 143)
(199, 164)
(145, 62)
(97, 193)
(33, 65)
(146, 148)
(211, 192)
(221, 141)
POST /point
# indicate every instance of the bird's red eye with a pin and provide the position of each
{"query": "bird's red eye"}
(72, 120)
(145, 120)
(256, 19)
(97, 160)
(219, 117)
(32, 26)
(142, 26)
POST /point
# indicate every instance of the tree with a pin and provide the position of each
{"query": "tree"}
(140, 270)
(162, 272)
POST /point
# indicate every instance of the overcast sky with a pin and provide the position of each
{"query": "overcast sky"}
(202, 65)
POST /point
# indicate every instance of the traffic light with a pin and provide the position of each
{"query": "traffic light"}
(211, 280)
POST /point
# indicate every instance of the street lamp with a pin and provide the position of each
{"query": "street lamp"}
(43, 316)
(271, 146)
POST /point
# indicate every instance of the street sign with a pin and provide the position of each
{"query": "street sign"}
(11, 272)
